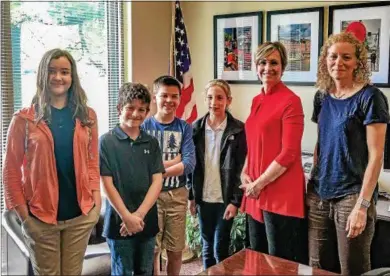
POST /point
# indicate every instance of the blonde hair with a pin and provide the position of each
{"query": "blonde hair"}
(267, 48)
(221, 84)
(360, 75)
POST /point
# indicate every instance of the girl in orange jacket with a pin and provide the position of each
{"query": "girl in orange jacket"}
(51, 169)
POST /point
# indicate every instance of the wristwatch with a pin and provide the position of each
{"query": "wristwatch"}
(364, 203)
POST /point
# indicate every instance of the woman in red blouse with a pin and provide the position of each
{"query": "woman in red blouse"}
(272, 176)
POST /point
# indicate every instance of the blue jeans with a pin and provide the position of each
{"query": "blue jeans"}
(215, 233)
(132, 256)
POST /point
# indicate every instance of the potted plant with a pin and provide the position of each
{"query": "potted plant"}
(193, 237)
(237, 234)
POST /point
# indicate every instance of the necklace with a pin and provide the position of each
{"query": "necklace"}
(350, 91)
(339, 97)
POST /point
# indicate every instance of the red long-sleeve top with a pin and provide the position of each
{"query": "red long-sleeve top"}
(274, 131)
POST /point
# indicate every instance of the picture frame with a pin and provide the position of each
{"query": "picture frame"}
(301, 31)
(375, 17)
(307, 161)
(236, 38)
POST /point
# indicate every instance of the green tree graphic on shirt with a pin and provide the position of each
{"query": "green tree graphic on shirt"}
(172, 142)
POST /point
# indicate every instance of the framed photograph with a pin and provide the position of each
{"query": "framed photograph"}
(376, 18)
(301, 32)
(307, 161)
(236, 38)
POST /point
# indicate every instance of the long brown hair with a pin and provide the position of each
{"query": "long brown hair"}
(77, 99)
(361, 74)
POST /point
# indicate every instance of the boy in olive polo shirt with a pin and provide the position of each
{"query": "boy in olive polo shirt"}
(131, 169)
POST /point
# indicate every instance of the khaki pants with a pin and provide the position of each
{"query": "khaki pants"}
(172, 210)
(58, 249)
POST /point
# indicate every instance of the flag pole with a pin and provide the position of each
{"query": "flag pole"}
(172, 45)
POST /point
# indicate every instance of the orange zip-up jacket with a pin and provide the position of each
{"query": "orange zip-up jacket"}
(30, 172)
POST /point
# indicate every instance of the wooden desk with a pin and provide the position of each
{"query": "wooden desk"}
(249, 262)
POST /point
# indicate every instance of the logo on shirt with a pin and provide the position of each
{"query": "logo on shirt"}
(170, 144)
(172, 141)
(146, 151)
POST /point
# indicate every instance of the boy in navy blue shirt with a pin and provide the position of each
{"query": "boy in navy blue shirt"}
(131, 169)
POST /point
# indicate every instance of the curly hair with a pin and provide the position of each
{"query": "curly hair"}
(361, 74)
(133, 91)
(77, 98)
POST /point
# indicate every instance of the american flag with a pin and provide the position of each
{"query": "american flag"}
(180, 66)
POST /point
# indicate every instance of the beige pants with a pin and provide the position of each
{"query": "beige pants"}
(172, 210)
(58, 249)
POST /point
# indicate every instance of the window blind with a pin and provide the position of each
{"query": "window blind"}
(91, 31)
(7, 102)
(115, 41)
(6, 107)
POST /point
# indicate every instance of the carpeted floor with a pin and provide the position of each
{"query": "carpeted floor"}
(192, 267)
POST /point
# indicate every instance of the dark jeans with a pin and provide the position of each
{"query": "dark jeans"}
(329, 247)
(257, 236)
(285, 237)
(215, 233)
(132, 256)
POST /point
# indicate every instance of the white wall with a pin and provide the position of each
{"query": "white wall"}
(147, 39)
(198, 17)
(150, 38)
